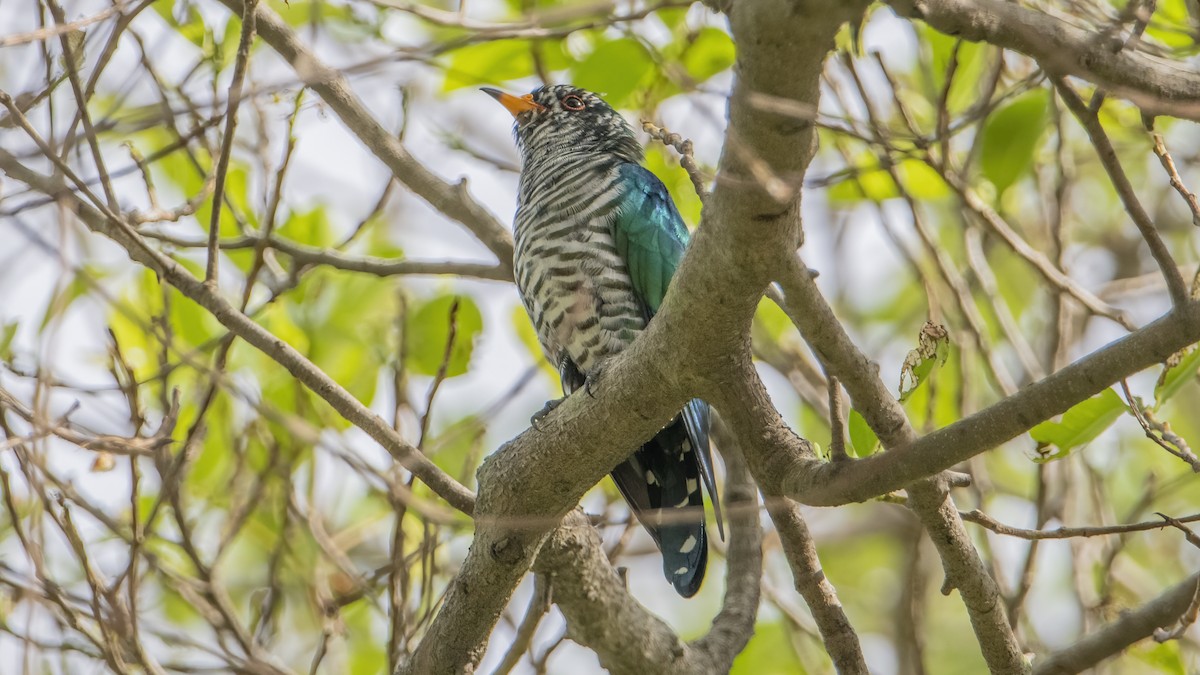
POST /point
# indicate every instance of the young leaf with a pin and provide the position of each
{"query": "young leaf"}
(614, 70)
(862, 437)
(711, 52)
(1080, 425)
(429, 330)
(7, 332)
(1010, 137)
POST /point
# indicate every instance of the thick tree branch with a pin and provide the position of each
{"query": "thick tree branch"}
(773, 450)
(1156, 86)
(911, 459)
(964, 570)
(1133, 626)
(451, 199)
(600, 613)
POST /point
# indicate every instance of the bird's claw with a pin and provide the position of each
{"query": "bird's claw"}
(592, 381)
(538, 416)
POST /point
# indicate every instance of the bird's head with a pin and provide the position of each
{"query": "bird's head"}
(559, 118)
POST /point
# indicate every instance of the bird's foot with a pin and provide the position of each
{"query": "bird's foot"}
(538, 416)
(593, 380)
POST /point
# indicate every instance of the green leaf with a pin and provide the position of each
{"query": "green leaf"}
(1179, 369)
(310, 228)
(493, 63)
(7, 332)
(429, 331)
(457, 448)
(862, 437)
(68, 294)
(1010, 137)
(771, 321)
(932, 349)
(665, 165)
(193, 30)
(869, 181)
(1164, 658)
(769, 652)
(1173, 26)
(921, 181)
(969, 60)
(614, 70)
(711, 52)
(1079, 425)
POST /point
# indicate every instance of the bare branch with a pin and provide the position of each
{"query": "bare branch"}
(1089, 119)
(841, 641)
(983, 520)
(1155, 85)
(231, 108)
(1133, 626)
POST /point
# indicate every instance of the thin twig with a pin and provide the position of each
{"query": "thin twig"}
(1164, 157)
(1112, 165)
(249, 25)
(982, 519)
(687, 159)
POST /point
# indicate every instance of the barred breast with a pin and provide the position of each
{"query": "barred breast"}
(575, 286)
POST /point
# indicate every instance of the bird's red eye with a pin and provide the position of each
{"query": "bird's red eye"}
(572, 102)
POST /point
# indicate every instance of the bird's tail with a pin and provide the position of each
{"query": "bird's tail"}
(664, 488)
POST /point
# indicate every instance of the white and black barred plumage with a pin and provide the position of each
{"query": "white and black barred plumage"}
(597, 239)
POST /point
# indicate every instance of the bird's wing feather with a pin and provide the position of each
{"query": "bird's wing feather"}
(651, 237)
(649, 234)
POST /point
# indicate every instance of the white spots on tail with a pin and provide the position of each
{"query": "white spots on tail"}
(689, 544)
(692, 485)
(681, 571)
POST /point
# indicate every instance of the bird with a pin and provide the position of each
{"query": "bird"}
(597, 239)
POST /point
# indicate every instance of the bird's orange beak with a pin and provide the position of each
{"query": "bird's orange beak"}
(514, 104)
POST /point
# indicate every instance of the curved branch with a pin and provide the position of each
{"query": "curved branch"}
(734, 624)
(312, 255)
(600, 613)
(841, 642)
(1133, 626)
(747, 234)
(1155, 85)
(910, 459)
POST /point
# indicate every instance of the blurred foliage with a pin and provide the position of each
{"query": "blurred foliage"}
(279, 492)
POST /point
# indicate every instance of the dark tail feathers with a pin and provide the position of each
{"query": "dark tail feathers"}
(662, 483)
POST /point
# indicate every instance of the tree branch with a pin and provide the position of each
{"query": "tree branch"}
(908, 460)
(697, 342)
(841, 641)
(1156, 86)
(312, 255)
(1133, 626)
